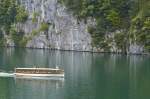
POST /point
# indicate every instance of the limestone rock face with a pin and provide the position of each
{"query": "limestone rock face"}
(136, 49)
(64, 31)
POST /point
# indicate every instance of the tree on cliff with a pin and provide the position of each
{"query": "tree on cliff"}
(10, 14)
(130, 17)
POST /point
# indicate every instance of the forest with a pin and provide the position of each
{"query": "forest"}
(11, 13)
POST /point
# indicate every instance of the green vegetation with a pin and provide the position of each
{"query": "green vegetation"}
(44, 26)
(121, 41)
(17, 36)
(11, 13)
(21, 15)
(1, 38)
(130, 17)
(34, 17)
(24, 39)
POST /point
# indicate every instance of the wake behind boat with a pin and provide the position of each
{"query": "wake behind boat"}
(3, 74)
(39, 72)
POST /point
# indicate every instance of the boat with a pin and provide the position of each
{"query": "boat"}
(39, 72)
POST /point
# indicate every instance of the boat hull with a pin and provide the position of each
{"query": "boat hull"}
(38, 75)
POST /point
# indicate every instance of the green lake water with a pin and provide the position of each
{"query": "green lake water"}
(87, 75)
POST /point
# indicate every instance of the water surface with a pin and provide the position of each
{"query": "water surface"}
(87, 75)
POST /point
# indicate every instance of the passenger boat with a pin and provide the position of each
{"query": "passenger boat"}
(39, 72)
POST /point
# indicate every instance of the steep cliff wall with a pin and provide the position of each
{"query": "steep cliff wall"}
(64, 31)
(50, 25)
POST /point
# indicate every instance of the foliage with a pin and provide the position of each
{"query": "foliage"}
(11, 13)
(1, 39)
(129, 16)
(146, 31)
(34, 17)
(34, 32)
(121, 41)
(16, 36)
(114, 18)
(7, 14)
(23, 42)
(44, 26)
(21, 15)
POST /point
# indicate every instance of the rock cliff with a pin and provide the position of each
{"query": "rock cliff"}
(64, 32)
(50, 25)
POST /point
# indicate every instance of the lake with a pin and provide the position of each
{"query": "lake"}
(87, 75)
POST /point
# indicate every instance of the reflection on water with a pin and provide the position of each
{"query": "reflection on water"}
(31, 88)
(87, 75)
(38, 89)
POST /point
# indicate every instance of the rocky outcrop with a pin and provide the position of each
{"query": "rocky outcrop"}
(136, 49)
(64, 32)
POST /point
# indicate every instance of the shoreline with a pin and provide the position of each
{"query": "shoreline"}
(117, 53)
